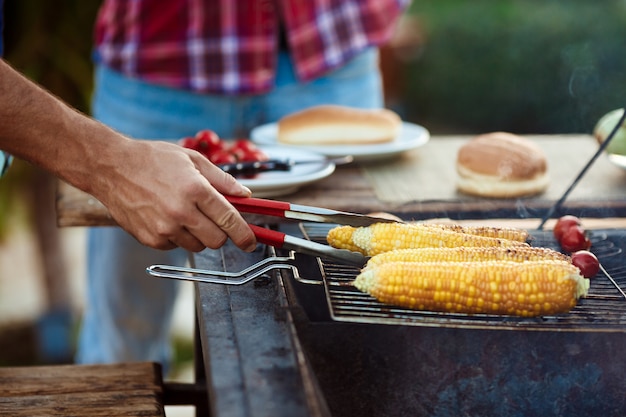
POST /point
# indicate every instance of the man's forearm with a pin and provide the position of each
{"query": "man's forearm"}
(182, 206)
(40, 128)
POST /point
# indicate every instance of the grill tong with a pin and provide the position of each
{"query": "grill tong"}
(277, 240)
(286, 210)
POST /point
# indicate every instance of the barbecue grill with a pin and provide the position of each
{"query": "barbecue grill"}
(375, 359)
(371, 359)
(604, 309)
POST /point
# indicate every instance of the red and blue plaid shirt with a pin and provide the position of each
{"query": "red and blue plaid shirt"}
(230, 46)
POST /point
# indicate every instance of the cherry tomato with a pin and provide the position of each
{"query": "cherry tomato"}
(247, 151)
(243, 150)
(575, 239)
(254, 155)
(208, 141)
(188, 142)
(222, 157)
(587, 262)
(245, 145)
(238, 153)
(218, 151)
(564, 223)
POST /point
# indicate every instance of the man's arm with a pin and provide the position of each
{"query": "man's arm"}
(161, 193)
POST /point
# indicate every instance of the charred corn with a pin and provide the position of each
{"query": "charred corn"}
(468, 254)
(509, 233)
(383, 237)
(523, 289)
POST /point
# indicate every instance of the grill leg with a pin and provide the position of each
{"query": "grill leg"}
(182, 393)
(202, 406)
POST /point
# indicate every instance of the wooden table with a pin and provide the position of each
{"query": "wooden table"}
(115, 390)
(600, 194)
(236, 319)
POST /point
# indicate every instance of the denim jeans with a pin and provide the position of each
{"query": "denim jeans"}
(128, 313)
(5, 162)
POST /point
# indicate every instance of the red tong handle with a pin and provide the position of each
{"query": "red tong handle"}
(266, 207)
(268, 237)
(259, 206)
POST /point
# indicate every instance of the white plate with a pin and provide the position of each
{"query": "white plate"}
(619, 160)
(277, 183)
(411, 136)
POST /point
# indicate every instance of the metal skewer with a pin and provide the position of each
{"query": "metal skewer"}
(560, 201)
(612, 281)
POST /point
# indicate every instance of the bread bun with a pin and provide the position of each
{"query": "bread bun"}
(338, 125)
(501, 165)
(384, 215)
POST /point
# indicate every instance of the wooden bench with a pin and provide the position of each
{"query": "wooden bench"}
(129, 389)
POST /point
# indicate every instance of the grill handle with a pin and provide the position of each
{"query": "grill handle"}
(224, 277)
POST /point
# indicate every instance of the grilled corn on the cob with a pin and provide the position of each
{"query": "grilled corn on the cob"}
(383, 237)
(524, 289)
(468, 254)
(510, 233)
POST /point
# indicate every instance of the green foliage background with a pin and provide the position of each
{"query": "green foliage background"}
(526, 66)
(50, 42)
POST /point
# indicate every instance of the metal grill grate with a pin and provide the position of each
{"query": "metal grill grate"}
(603, 310)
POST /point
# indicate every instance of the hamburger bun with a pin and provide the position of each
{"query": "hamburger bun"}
(338, 125)
(501, 165)
(384, 215)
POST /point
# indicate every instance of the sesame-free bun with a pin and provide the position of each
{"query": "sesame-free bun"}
(338, 125)
(501, 165)
(384, 215)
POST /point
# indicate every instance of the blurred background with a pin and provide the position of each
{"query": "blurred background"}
(524, 66)
(520, 66)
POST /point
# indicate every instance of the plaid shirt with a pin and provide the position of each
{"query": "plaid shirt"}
(230, 46)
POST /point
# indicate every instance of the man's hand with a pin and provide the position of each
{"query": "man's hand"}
(168, 196)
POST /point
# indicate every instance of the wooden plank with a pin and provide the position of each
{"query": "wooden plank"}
(110, 403)
(57, 379)
(80, 390)
(77, 208)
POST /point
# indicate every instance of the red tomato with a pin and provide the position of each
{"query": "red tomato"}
(254, 155)
(238, 153)
(575, 239)
(245, 145)
(247, 151)
(587, 262)
(222, 157)
(188, 142)
(208, 141)
(564, 223)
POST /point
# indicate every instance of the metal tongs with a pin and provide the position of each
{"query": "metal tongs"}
(278, 240)
(286, 210)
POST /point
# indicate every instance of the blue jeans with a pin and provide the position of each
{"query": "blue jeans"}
(128, 313)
